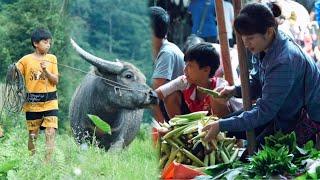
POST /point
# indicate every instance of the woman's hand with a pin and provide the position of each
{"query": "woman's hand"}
(212, 129)
(226, 91)
(219, 106)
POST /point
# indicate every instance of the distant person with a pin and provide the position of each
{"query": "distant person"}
(204, 19)
(168, 60)
(317, 11)
(229, 17)
(191, 41)
(40, 72)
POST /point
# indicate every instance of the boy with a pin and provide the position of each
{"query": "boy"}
(1, 132)
(40, 73)
(202, 60)
(168, 63)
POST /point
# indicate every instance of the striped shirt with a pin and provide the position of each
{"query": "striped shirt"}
(277, 81)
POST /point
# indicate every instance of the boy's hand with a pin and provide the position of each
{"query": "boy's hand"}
(44, 65)
(212, 129)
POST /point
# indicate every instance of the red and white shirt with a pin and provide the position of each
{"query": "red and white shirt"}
(189, 92)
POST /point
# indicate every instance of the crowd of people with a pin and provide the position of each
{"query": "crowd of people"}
(284, 79)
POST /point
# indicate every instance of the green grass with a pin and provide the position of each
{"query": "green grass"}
(1, 98)
(70, 161)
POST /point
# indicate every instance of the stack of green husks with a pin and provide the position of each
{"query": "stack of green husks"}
(183, 142)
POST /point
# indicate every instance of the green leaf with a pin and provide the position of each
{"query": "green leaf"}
(217, 169)
(105, 127)
(308, 146)
(6, 166)
(302, 151)
(233, 173)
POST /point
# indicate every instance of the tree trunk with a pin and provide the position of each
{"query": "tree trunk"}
(244, 77)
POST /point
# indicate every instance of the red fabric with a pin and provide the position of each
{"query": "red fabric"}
(198, 105)
(179, 171)
(306, 128)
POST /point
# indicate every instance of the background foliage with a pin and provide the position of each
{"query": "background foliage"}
(109, 29)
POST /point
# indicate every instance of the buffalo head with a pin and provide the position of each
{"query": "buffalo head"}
(114, 91)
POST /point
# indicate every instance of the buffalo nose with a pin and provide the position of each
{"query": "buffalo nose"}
(153, 97)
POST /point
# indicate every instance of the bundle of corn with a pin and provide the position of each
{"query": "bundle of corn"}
(183, 142)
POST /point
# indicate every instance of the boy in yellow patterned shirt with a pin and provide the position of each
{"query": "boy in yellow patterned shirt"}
(40, 73)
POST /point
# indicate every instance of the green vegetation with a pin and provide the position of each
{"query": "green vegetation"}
(109, 29)
(71, 161)
(280, 157)
(99, 123)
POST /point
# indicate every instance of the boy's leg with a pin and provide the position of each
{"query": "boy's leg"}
(173, 104)
(33, 135)
(50, 122)
(50, 141)
(33, 124)
(219, 106)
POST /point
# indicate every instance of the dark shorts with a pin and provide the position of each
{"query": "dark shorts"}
(41, 120)
(184, 109)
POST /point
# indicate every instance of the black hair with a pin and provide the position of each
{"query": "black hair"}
(257, 18)
(159, 21)
(205, 55)
(40, 34)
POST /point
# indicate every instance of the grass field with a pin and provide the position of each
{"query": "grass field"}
(1, 98)
(71, 161)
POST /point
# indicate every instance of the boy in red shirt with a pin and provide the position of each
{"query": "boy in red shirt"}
(202, 61)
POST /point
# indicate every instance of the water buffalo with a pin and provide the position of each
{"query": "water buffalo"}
(116, 92)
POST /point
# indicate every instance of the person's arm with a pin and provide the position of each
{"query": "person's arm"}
(156, 109)
(161, 75)
(168, 89)
(178, 84)
(219, 106)
(278, 83)
(52, 76)
(20, 67)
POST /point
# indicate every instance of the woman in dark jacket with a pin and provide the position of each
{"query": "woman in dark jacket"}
(284, 79)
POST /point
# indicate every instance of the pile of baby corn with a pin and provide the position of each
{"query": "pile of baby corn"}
(182, 141)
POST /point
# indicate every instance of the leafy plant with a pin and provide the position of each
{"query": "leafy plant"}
(105, 127)
(309, 148)
(71, 161)
(8, 165)
(224, 170)
(270, 162)
(279, 140)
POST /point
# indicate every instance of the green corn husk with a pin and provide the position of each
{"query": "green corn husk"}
(209, 91)
(194, 116)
